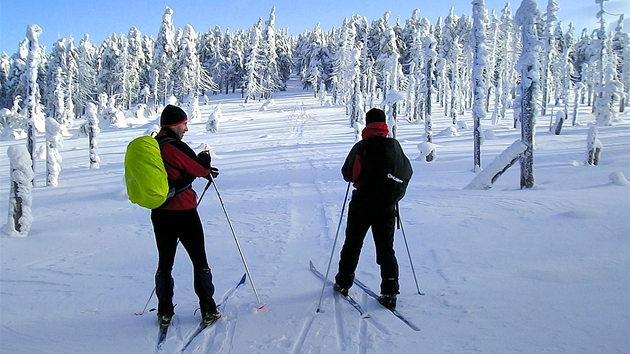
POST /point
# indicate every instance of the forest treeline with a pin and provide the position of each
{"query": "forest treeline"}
(352, 65)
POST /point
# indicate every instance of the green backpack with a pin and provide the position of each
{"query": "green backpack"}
(145, 174)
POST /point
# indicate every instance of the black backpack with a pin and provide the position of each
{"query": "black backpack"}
(385, 171)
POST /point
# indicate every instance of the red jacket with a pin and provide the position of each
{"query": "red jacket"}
(182, 166)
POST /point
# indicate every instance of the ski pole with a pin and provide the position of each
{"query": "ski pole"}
(206, 147)
(204, 191)
(238, 245)
(400, 225)
(145, 305)
(333, 248)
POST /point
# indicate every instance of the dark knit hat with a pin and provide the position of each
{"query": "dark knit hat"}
(172, 116)
(374, 115)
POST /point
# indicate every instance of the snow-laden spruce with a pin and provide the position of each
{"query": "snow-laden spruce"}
(31, 110)
(19, 218)
(480, 54)
(54, 142)
(92, 129)
(526, 104)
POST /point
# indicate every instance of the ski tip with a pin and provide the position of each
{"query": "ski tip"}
(311, 265)
(242, 281)
(365, 315)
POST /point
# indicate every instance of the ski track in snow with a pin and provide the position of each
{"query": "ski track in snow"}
(342, 336)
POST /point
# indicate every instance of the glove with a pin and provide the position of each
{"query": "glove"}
(204, 158)
(214, 172)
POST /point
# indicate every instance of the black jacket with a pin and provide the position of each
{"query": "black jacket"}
(379, 170)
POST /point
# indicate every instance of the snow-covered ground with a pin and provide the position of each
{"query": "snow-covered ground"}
(504, 270)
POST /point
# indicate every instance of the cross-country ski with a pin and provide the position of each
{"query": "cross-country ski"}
(205, 324)
(348, 298)
(395, 312)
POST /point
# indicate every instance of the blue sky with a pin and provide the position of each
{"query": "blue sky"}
(62, 19)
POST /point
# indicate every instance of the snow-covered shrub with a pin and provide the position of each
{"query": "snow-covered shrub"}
(11, 125)
(20, 200)
(268, 103)
(194, 114)
(212, 125)
(449, 131)
(619, 179)
(153, 130)
(427, 151)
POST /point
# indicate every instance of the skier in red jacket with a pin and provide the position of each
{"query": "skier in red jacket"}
(178, 219)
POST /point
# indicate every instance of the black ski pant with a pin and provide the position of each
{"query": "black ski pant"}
(382, 220)
(170, 226)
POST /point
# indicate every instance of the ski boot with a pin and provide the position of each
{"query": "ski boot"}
(389, 301)
(341, 290)
(164, 319)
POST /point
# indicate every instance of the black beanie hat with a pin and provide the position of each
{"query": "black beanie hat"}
(374, 115)
(172, 116)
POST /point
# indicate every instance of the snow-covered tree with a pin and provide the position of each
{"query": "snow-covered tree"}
(621, 47)
(549, 53)
(486, 178)
(32, 109)
(19, 219)
(430, 56)
(213, 57)
(55, 91)
(579, 87)
(92, 130)
(594, 147)
(269, 74)
(54, 141)
(194, 113)
(212, 125)
(190, 78)
(86, 74)
(284, 49)
(253, 63)
(16, 81)
(480, 53)
(110, 68)
(233, 50)
(609, 94)
(163, 54)
(5, 66)
(450, 56)
(506, 57)
(525, 106)
(132, 61)
(608, 90)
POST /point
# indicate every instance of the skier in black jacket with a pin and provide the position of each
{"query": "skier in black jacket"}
(380, 172)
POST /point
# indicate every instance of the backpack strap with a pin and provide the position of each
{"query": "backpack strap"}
(177, 186)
